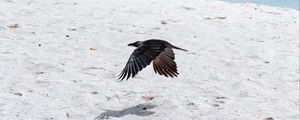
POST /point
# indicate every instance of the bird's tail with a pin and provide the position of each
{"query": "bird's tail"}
(178, 48)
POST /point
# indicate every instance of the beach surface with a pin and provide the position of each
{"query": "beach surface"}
(60, 60)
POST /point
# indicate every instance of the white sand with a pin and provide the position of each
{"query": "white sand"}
(242, 64)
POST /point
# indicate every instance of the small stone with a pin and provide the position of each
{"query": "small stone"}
(13, 26)
(94, 92)
(67, 36)
(68, 115)
(156, 28)
(75, 81)
(269, 118)
(216, 105)
(71, 29)
(191, 103)
(38, 73)
(188, 8)
(163, 22)
(220, 97)
(40, 44)
(18, 94)
(93, 49)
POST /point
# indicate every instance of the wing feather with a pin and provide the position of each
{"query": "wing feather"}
(164, 63)
(139, 59)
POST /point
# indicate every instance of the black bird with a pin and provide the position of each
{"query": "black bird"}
(158, 51)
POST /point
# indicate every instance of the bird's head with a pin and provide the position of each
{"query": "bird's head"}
(135, 44)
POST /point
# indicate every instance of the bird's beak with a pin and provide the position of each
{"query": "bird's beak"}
(131, 44)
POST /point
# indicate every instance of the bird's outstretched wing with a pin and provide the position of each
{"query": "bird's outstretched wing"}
(164, 63)
(139, 59)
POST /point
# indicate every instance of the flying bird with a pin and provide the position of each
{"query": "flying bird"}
(158, 51)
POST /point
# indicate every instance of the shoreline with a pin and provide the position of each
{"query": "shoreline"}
(264, 4)
(257, 5)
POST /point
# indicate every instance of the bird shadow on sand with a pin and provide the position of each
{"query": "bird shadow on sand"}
(139, 110)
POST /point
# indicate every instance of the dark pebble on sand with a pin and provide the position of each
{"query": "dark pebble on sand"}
(216, 105)
(163, 22)
(269, 118)
(18, 94)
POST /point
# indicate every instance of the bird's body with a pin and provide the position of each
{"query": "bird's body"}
(158, 51)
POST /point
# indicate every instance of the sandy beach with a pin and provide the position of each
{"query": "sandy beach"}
(60, 60)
